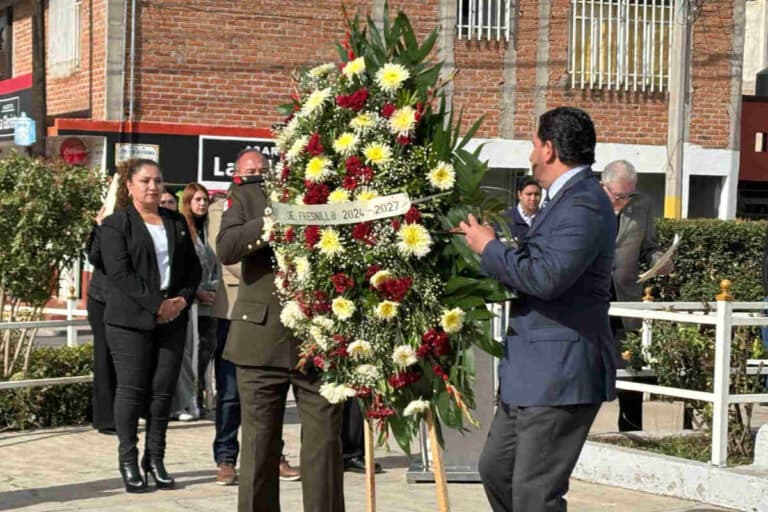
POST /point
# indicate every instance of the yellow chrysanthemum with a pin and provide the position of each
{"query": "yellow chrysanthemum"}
(359, 349)
(402, 121)
(315, 101)
(379, 277)
(317, 169)
(354, 67)
(302, 268)
(452, 320)
(363, 121)
(330, 242)
(339, 195)
(343, 308)
(391, 76)
(366, 195)
(345, 143)
(443, 176)
(377, 154)
(386, 310)
(413, 240)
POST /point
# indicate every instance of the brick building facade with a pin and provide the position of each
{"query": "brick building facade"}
(195, 70)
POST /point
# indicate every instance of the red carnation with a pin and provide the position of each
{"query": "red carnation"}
(371, 271)
(319, 362)
(365, 174)
(349, 183)
(352, 164)
(289, 234)
(412, 216)
(423, 350)
(317, 193)
(363, 233)
(355, 101)
(342, 282)
(439, 371)
(286, 195)
(286, 172)
(419, 112)
(311, 235)
(314, 147)
(387, 110)
(402, 379)
(363, 391)
(403, 140)
(395, 289)
(395, 224)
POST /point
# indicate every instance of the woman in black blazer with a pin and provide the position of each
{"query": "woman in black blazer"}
(153, 274)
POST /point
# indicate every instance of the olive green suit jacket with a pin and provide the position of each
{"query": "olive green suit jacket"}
(256, 336)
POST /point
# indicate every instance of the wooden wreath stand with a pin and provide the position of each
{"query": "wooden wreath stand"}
(437, 467)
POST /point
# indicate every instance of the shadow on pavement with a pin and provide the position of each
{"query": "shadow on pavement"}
(14, 438)
(85, 490)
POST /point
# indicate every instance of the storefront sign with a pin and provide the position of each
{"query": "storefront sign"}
(216, 162)
(86, 150)
(125, 152)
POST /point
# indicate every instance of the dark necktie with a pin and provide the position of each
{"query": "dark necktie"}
(545, 202)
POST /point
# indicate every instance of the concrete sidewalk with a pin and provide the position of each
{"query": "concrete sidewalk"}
(74, 469)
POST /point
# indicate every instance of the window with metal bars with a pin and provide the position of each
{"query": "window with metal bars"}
(487, 20)
(63, 37)
(620, 44)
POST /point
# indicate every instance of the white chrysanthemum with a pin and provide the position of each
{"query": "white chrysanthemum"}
(368, 372)
(366, 195)
(452, 320)
(299, 199)
(336, 393)
(413, 240)
(359, 349)
(443, 176)
(287, 133)
(280, 283)
(315, 102)
(377, 153)
(267, 228)
(404, 356)
(291, 315)
(379, 277)
(296, 148)
(354, 67)
(402, 121)
(319, 337)
(282, 263)
(339, 195)
(386, 310)
(330, 242)
(343, 308)
(323, 322)
(321, 70)
(317, 169)
(346, 143)
(303, 268)
(274, 196)
(416, 407)
(391, 76)
(364, 121)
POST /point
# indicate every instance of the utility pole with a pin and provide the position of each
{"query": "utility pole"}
(678, 98)
(39, 111)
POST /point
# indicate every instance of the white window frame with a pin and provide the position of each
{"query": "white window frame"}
(488, 20)
(63, 37)
(607, 51)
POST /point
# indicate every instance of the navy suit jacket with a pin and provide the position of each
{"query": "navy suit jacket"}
(559, 349)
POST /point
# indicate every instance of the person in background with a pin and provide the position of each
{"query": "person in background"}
(520, 217)
(153, 272)
(353, 438)
(168, 200)
(635, 242)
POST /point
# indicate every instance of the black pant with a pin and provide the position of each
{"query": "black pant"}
(530, 454)
(630, 402)
(225, 445)
(206, 330)
(104, 378)
(147, 365)
(352, 433)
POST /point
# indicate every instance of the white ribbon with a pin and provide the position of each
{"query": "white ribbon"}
(351, 212)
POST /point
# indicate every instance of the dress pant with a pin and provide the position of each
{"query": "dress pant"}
(630, 402)
(104, 378)
(147, 365)
(352, 432)
(263, 393)
(530, 453)
(225, 444)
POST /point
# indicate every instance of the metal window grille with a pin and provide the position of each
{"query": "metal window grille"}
(483, 19)
(620, 44)
(63, 37)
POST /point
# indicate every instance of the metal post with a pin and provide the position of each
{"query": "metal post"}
(722, 375)
(71, 330)
(646, 332)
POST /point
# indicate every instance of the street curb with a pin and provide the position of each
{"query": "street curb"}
(740, 488)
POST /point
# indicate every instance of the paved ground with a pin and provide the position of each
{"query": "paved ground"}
(74, 469)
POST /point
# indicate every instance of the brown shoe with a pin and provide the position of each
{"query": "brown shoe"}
(226, 474)
(287, 473)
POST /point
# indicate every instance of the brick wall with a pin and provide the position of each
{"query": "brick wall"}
(22, 38)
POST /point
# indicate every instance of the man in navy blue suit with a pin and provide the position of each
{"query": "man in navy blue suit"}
(558, 364)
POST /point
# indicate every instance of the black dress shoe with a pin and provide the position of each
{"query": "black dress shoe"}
(155, 467)
(132, 478)
(108, 431)
(357, 465)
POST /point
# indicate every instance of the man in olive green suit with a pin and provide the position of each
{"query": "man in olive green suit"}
(266, 360)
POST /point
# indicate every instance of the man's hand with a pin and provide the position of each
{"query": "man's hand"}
(206, 297)
(476, 235)
(667, 269)
(170, 309)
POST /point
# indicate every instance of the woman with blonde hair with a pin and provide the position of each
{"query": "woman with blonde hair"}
(199, 349)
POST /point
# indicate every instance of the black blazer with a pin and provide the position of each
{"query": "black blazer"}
(129, 261)
(97, 286)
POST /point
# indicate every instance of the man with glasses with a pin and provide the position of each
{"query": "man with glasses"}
(635, 242)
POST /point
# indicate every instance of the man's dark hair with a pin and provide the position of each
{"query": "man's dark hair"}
(527, 181)
(571, 132)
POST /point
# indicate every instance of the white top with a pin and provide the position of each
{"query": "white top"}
(527, 218)
(160, 241)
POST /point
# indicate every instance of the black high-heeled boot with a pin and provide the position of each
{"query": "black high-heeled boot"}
(154, 466)
(132, 478)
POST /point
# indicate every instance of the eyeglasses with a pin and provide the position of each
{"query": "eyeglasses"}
(618, 197)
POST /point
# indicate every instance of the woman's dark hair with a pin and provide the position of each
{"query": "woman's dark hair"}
(127, 170)
(527, 181)
(572, 134)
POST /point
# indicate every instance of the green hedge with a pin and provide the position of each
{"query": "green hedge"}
(710, 251)
(50, 406)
